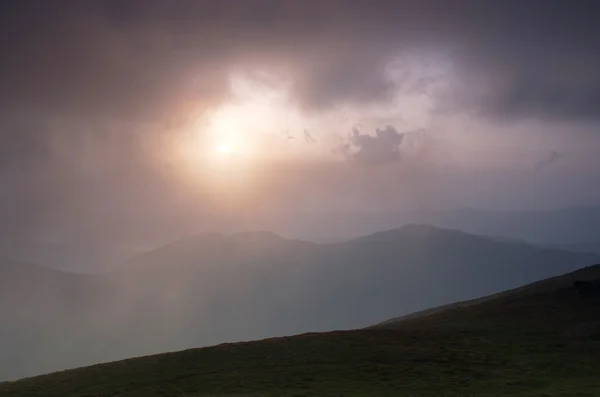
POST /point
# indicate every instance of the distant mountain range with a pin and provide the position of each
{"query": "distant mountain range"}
(574, 228)
(571, 225)
(214, 288)
(593, 246)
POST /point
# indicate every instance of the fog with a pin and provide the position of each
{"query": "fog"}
(213, 288)
(126, 126)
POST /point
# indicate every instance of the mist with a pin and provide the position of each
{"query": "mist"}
(139, 139)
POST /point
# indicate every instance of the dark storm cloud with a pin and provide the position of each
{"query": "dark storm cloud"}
(84, 86)
(552, 157)
(369, 150)
(142, 59)
(569, 101)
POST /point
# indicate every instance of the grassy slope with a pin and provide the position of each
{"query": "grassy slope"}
(543, 339)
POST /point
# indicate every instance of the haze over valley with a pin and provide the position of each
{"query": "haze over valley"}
(213, 288)
(180, 174)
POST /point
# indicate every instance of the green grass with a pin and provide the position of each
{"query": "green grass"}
(541, 340)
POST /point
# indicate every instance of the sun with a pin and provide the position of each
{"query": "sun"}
(229, 147)
(224, 149)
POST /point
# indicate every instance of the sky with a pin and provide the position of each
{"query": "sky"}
(127, 120)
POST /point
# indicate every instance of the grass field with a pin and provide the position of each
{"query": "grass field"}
(541, 340)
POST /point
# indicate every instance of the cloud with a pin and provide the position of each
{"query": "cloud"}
(93, 93)
(558, 97)
(552, 157)
(143, 59)
(368, 150)
(153, 59)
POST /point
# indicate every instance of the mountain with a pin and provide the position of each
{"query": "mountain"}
(540, 339)
(570, 225)
(293, 286)
(592, 246)
(213, 288)
(90, 253)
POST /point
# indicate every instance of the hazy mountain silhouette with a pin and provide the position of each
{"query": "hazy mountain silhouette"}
(567, 227)
(570, 225)
(214, 288)
(592, 246)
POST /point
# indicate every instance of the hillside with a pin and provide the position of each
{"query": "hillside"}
(541, 339)
(212, 288)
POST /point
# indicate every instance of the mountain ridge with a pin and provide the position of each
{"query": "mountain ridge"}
(216, 289)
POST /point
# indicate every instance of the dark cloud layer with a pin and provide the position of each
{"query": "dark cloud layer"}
(552, 157)
(90, 91)
(144, 58)
(379, 149)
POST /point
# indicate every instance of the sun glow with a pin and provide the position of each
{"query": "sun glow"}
(229, 149)
(233, 148)
(224, 149)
